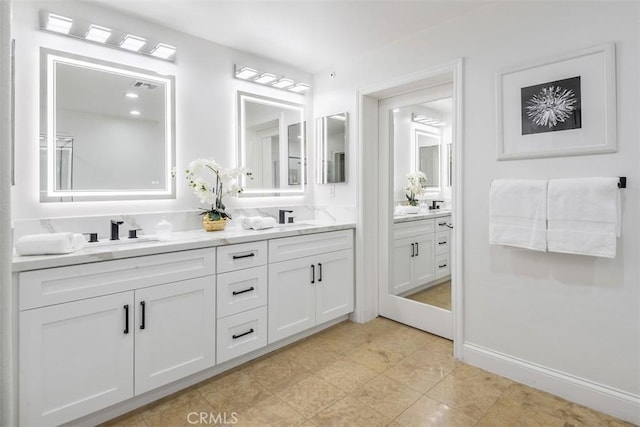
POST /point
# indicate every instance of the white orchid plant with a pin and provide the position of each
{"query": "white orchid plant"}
(211, 182)
(415, 186)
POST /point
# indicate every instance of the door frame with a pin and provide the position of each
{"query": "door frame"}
(373, 231)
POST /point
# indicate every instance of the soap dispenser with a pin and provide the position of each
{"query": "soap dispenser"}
(163, 230)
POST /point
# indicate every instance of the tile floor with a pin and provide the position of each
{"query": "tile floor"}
(381, 373)
(438, 295)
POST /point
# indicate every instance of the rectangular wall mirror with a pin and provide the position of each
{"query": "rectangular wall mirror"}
(271, 143)
(332, 134)
(427, 146)
(107, 131)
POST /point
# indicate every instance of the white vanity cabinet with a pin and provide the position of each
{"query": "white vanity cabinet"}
(311, 281)
(443, 246)
(93, 335)
(241, 299)
(413, 255)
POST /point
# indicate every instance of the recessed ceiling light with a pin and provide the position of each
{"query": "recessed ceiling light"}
(131, 95)
(283, 83)
(134, 112)
(300, 87)
(98, 34)
(163, 51)
(265, 78)
(132, 42)
(59, 23)
(246, 73)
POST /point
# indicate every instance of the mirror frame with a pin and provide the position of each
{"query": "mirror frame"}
(321, 141)
(51, 58)
(242, 97)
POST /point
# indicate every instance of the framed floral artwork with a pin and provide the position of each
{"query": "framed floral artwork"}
(562, 106)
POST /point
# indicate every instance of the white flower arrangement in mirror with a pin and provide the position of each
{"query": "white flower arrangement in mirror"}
(415, 186)
(219, 183)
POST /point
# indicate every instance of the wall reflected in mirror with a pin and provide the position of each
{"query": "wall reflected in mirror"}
(332, 132)
(421, 270)
(107, 130)
(271, 143)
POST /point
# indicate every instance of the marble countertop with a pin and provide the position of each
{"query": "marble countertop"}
(180, 241)
(421, 215)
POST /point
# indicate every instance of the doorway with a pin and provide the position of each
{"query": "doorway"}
(380, 194)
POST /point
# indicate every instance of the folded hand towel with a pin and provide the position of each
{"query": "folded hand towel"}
(262, 222)
(518, 212)
(584, 216)
(49, 243)
(246, 221)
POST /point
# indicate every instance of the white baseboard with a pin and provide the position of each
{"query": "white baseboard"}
(617, 403)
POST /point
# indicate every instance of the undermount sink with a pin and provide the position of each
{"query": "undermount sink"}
(123, 241)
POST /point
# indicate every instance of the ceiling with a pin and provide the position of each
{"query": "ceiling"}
(312, 35)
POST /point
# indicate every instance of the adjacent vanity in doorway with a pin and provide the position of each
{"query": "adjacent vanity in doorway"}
(119, 326)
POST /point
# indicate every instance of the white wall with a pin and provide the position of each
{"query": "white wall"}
(205, 104)
(574, 314)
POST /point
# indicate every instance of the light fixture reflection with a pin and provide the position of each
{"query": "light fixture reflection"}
(59, 23)
(266, 78)
(283, 83)
(131, 95)
(98, 34)
(300, 87)
(246, 73)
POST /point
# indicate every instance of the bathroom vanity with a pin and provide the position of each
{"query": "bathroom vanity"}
(109, 325)
(421, 251)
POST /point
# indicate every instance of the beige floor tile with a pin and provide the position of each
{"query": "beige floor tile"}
(180, 414)
(436, 359)
(470, 389)
(431, 413)
(310, 396)
(127, 420)
(346, 374)
(176, 400)
(385, 395)
(416, 375)
(312, 356)
(277, 372)
(438, 296)
(270, 412)
(376, 358)
(233, 392)
(349, 412)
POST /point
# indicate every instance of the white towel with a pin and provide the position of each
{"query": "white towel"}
(518, 213)
(49, 243)
(584, 216)
(262, 222)
(247, 221)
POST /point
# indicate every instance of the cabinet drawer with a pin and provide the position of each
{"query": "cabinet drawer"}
(313, 244)
(442, 243)
(63, 284)
(443, 266)
(241, 290)
(241, 333)
(244, 255)
(413, 228)
(442, 222)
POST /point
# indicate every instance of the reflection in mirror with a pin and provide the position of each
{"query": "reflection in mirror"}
(332, 148)
(271, 143)
(420, 146)
(107, 131)
(428, 156)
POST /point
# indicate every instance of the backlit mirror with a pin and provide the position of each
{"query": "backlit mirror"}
(427, 146)
(271, 143)
(106, 130)
(332, 134)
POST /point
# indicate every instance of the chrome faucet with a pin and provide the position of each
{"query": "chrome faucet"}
(282, 214)
(115, 229)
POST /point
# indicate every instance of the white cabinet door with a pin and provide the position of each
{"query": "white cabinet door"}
(403, 253)
(424, 259)
(291, 297)
(75, 358)
(334, 285)
(175, 331)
